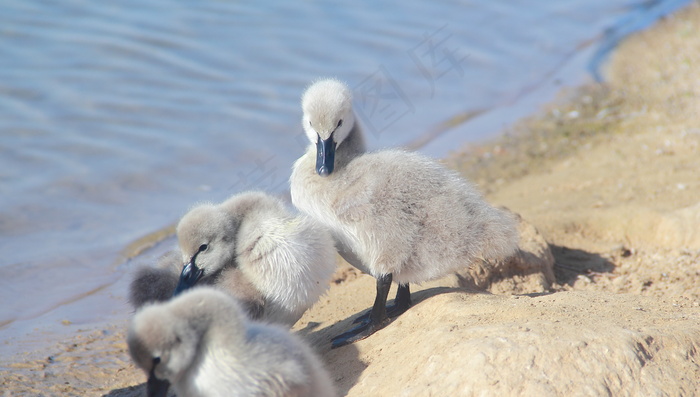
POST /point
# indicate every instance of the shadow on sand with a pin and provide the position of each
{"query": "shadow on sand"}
(344, 363)
(570, 263)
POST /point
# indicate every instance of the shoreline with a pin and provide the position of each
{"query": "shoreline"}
(561, 169)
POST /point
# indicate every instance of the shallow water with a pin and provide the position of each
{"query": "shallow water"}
(117, 117)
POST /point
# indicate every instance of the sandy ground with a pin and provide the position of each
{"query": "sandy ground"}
(609, 304)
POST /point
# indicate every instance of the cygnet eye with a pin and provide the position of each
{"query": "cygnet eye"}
(310, 125)
(203, 247)
(340, 122)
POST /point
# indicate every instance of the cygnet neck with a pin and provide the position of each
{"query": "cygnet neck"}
(353, 146)
(222, 326)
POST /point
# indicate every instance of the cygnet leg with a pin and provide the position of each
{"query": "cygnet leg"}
(402, 302)
(377, 317)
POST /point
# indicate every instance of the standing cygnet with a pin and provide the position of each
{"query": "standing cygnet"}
(252, 240)
(201, 343)
(394, 214)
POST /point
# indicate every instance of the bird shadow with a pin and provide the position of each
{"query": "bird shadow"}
(570, 263)
(131, 391)
(425, 294)
(344, 363)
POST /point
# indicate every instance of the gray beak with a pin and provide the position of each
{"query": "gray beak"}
(188, 278)
(325, 156)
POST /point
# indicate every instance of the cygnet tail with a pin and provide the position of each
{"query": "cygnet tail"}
(501, 235)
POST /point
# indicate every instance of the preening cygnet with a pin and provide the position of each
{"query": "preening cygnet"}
(252, 242)
(158, 283)
(202, 344)
(397, 215)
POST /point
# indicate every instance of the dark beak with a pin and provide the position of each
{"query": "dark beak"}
(325, 156)
(188, 278)
(156, 387)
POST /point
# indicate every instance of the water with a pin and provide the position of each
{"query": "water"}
(116, 117)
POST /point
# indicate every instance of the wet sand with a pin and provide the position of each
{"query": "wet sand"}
(609, 176)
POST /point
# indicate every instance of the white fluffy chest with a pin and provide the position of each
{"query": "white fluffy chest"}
(316, 197)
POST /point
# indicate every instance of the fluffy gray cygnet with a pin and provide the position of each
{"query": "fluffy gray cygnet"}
(203, 345)
(253, 247)
(394, 214)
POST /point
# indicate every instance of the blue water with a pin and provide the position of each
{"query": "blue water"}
(116, 117)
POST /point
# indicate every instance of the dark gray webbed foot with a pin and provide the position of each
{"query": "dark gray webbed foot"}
(359, 332)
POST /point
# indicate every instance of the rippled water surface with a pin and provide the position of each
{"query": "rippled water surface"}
(115, 117)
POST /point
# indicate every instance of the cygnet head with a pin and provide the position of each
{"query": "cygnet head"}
(159, 344)
(206, 236)
(328, 119)
(164, 338)
(252, 202)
